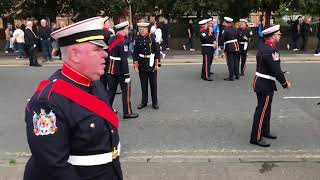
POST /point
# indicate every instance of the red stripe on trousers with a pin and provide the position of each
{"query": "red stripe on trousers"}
(262, 117)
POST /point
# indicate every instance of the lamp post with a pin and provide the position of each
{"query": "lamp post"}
(130, 11)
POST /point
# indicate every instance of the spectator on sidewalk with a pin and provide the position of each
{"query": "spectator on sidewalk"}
(305, 32)
(8, 33)
(189, 45)
(260, 29)
(18, 38)
(31, 41)
(317, 52)
(165, 35)
(44, 35)
(131, 36)
(296, 33)
(55, 47)
(158, 37)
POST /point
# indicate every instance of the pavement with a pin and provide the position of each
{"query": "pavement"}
(201, 130)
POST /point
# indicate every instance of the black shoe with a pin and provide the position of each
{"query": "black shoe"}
(211, 73)
(155, 106)
(228, 79)
(141, 106)
(130, 116)
(37, 65)
(209, 79)
(237, 78)
(119, 92)
(270, 136)
(261, 143)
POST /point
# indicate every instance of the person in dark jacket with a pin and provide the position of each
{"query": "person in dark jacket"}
(31, 42)
(230, 42)
(305, 33)
(107, 33)
(268, 71)
(118, 69)
(72, 132)
(244, 39)
(165, 35)
(44, 32)
(317, 51)
(146, 59)
(208, 43)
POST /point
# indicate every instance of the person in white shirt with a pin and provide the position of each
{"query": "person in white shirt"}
(18, 39)
(158, 33)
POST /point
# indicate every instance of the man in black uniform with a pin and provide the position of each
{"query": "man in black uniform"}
(107, 33)
(244, 38)
(229, 39)
(146, 58)
(118, 69)
(208, 43)
(72, 131)
(268, 71)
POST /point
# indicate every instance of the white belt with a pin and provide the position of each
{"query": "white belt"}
(144, 56)
(243, 42)
(230, 41)
(265, 76)
(211, 45)
(93, 160)
(115, 58)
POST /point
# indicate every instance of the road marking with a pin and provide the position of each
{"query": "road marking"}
(301, 97)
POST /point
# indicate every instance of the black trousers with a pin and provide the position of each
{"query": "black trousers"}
(113, 81)
(295, 40)
(165, 43)
(261, 119)
(233, 64)
(150, 76)
(206, 65)
(32, 51)
(243, 60)
(305, 40)
(189, 45)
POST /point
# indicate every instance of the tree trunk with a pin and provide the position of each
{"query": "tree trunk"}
(267, 16)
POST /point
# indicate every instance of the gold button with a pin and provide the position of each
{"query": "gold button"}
(92, 125)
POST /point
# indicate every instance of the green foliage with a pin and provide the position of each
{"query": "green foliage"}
(167, 8)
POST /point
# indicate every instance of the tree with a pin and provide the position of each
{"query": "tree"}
(5, 7)
(41, 9)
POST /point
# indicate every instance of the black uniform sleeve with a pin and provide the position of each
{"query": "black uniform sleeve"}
(124, 60)
(273, 62)
(49, 146)
(156, 49)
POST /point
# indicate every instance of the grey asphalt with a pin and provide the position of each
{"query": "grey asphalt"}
(203, 171)
(198, 122)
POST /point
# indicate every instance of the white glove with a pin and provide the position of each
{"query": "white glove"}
(127, 80)
(34, 45)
